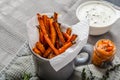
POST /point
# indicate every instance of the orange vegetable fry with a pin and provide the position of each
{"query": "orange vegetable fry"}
(52, 36)
(38, 15)
(55, 17)
(57, 43)
(46, 36)
(40, 46)
(40, 33)
(47, 52)
(45, 20)
(66, 36)
(64, 47)
(37, 51)
(52, 32)
(68, 31)
(41, 37)
(60, 35)
(73, 37)
(51, 55)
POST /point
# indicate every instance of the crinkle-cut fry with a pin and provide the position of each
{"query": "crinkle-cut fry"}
(37, 51)
(64, 47)
(55, 17)
(66, 36)
(52, 36)
(51, 55)
(68, 31)
(40, 46)
(72, 38)
(46, 36)
(60, 35)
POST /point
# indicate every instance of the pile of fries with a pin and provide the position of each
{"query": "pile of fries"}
(52, 41)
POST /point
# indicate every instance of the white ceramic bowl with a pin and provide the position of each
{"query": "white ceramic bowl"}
(98, 30)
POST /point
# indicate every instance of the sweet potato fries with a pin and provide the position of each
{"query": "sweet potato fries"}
(52, 41)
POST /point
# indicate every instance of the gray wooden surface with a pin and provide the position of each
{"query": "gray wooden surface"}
(15, 13)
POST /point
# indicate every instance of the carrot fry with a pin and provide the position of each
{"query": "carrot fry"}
(52, 36)
(53, 32)
(41, 37)
(38, 15)
(37, 51)
(55, 16)
(68, 31)
(40, 47)
(51, 55)
(72, 38)
(45, 20)
(66, 36)
(64, 47)
(57, 43)
(46, 36)
(60, 35)
(40, 33)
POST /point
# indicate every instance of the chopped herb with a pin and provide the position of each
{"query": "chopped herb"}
(26, 76)
(83, 74)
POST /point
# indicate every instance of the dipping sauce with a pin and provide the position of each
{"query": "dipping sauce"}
(98, 14)
(104, 51)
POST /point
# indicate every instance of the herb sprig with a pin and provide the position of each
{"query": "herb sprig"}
(26, 76)
(84, 75)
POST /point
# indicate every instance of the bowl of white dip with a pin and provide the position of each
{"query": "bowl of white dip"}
(100, 15)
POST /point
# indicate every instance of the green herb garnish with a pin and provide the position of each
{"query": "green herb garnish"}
(26, 76)
(104, 77)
